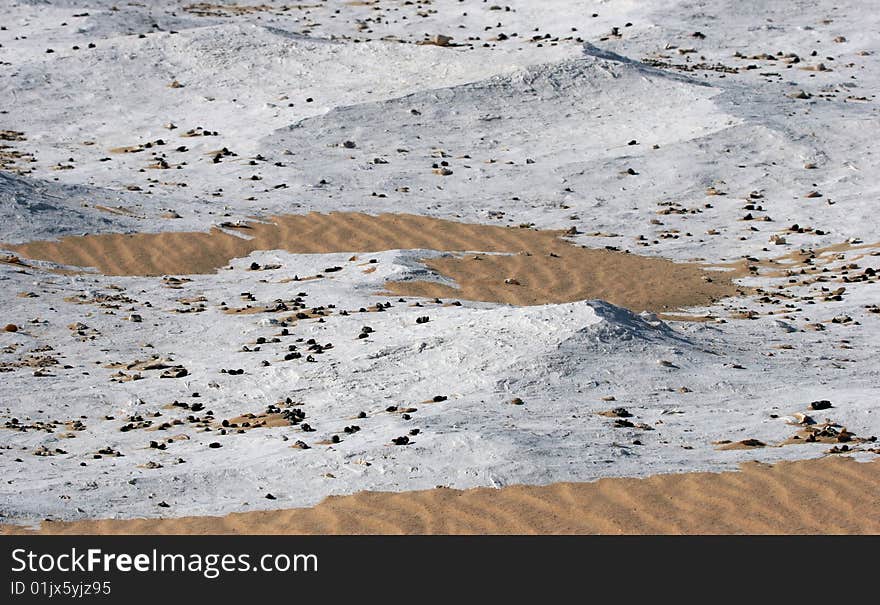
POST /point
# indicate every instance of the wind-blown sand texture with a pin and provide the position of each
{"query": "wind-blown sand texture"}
(525, 267)
(738, 146)
(827, 496)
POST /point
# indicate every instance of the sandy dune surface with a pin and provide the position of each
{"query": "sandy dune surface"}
(527, 267)
(827, 496)
(259, 255)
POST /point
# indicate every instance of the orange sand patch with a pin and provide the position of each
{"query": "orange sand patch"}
(256, 421)
(533, 267)
(826, 496)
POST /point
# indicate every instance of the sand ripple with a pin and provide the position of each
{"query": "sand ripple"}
(535, 267)
(825, 496)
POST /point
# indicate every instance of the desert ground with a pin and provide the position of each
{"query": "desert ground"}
(439, 266)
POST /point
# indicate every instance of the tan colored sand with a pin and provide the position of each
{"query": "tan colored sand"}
(540, 266)
(827, 496)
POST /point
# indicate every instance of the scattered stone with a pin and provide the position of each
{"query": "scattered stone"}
(803, 419)
(617, 413)
(440, 40)
(752, 443)
(175, 372)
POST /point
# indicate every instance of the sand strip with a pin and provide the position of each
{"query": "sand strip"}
(834, 495)
(536, 267)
